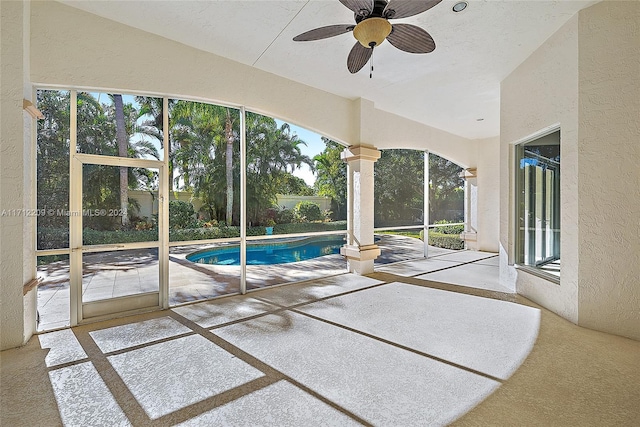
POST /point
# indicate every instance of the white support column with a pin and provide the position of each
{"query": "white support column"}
(470, 209)
(360, 249)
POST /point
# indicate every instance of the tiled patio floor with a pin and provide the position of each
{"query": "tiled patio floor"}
(393, 348)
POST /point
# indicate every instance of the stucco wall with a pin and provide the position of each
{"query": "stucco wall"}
(290, 201)
(387, 130)
(16, 251)
(609, 175)
(586, 79)
(488, 208)
(540, 93)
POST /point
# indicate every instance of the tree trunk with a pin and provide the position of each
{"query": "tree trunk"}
(228, 133)
(123, 145)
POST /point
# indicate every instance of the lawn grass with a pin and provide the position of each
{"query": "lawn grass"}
(408, 233)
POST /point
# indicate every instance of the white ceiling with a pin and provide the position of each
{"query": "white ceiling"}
(449, 88)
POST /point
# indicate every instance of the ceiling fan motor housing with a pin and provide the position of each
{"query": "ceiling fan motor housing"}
(372, 31)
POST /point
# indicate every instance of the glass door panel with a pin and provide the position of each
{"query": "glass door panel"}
(120, 237)
(106, 220)
(112, 274)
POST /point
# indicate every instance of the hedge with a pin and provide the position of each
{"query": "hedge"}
(95, 237)
(448, 229)
(309, 227)
(446, 241)
(56, 238)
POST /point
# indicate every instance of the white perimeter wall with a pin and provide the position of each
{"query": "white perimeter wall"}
(586, 78)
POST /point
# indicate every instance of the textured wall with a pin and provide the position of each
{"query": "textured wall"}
(488, 211)
(15, 233)
(543, 92)
(290, 201)
(609, 175)
(586, 78)
(387, 130)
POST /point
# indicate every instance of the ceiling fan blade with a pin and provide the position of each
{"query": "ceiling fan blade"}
(358, 57)
(359, 7)
(404, 8)
(411, 39)
(324, 32)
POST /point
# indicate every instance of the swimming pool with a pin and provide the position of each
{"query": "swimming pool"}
(271, 253)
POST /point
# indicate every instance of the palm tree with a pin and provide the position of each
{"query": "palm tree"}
(230, 138)
(206, 133)
(332, 176)
(111, 129)
(126, 121)
(153, 127)
(273, 153)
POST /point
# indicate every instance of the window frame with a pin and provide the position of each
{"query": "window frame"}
(516, 239)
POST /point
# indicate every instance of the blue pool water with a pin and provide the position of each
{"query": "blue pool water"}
(271, 253)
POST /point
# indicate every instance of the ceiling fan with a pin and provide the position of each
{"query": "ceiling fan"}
(373, 27)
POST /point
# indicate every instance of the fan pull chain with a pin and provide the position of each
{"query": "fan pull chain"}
(371, 62)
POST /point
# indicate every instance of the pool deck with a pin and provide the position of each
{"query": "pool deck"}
(121, 273)
(425, 342)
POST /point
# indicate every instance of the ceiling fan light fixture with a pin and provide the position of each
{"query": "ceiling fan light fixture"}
(372, 32)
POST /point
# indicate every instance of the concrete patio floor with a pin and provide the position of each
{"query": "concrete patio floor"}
(393, 348)
(120, 273)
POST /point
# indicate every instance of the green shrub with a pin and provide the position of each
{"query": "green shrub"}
(53, 238)
(181, 235)
(49, 259)
(269, 216)
(443, 240)
(446, 241)
(284, 216)
(451, 229)
(228, 232)
(306, 227)
(181, 215)
(308, 211)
